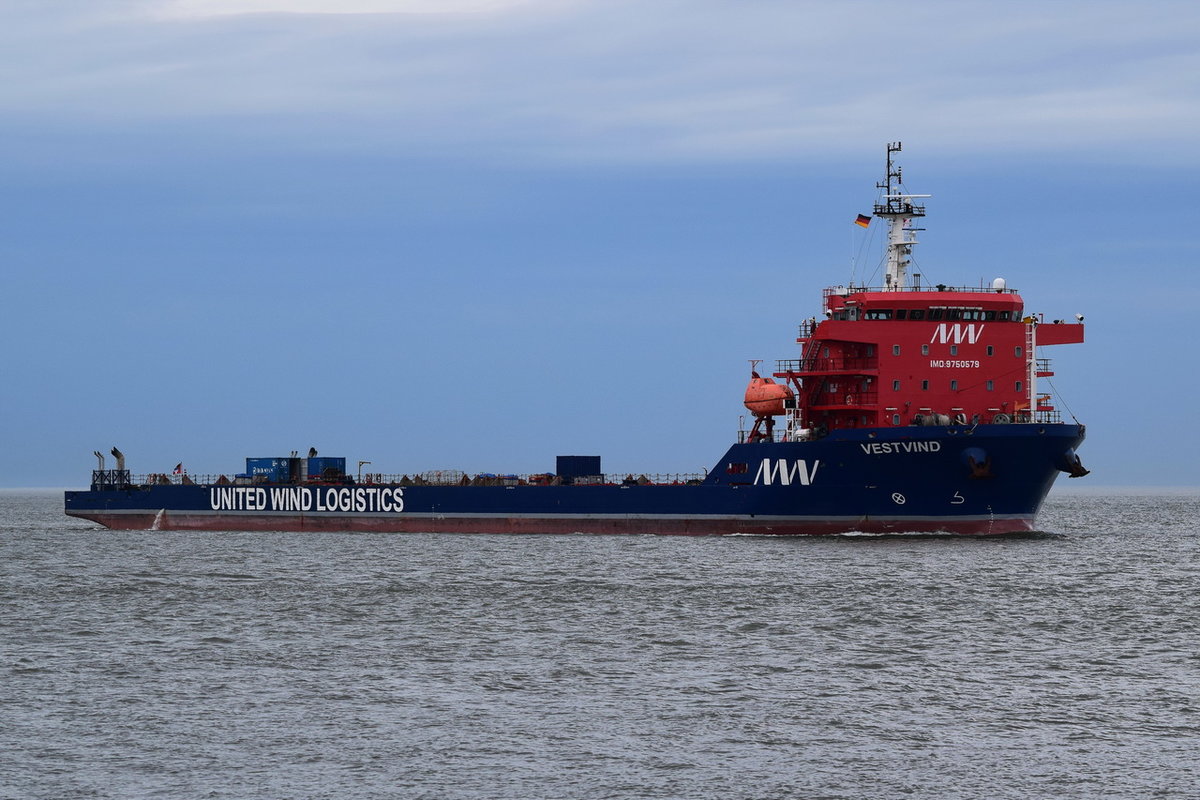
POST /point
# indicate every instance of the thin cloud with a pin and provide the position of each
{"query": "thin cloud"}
(617, 79)
(193, 9)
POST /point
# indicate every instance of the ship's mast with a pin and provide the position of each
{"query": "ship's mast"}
(899, 210)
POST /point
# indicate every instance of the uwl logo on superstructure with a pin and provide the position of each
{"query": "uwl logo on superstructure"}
(798, 472)
(956, 333)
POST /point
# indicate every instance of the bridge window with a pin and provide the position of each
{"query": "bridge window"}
(870, 350)
(736, 469)
(1004, 317)
(917, 313)
(900, 313)
(989, 315)
(954, 313)
(879, 313)
(936, 313)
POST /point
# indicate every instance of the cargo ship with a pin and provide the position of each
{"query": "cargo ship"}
(909, 407)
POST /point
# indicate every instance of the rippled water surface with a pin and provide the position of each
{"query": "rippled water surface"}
(232, 665)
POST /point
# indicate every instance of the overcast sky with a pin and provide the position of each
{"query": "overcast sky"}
(646, 80)
(478, 233)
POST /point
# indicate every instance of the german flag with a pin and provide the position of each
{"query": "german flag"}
(862, 221)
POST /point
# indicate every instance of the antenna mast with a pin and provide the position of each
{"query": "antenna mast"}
(899, 210)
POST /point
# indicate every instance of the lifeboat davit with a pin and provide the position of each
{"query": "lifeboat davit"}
(765, 397)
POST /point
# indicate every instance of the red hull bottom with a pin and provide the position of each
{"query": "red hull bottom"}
(165, 521)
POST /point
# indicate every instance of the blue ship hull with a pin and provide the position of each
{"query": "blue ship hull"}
(983, 479)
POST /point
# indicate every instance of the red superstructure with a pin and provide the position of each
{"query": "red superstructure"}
(904, 354)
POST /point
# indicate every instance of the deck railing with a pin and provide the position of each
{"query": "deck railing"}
(850, 398)
(439, 478)
(103, 479)
(847, 364)
(917, 286)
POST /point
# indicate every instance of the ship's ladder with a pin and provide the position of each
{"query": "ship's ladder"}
(1031, 367)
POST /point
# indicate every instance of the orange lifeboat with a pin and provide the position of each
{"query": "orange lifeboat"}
(765, 397)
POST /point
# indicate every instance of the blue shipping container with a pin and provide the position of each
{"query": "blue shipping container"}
(273, 469)
(326, 466)
(577, 466)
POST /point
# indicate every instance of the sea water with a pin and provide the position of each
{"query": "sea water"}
(231, 665)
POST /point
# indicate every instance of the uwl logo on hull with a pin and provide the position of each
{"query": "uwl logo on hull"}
(956, 333)
(797, 472)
